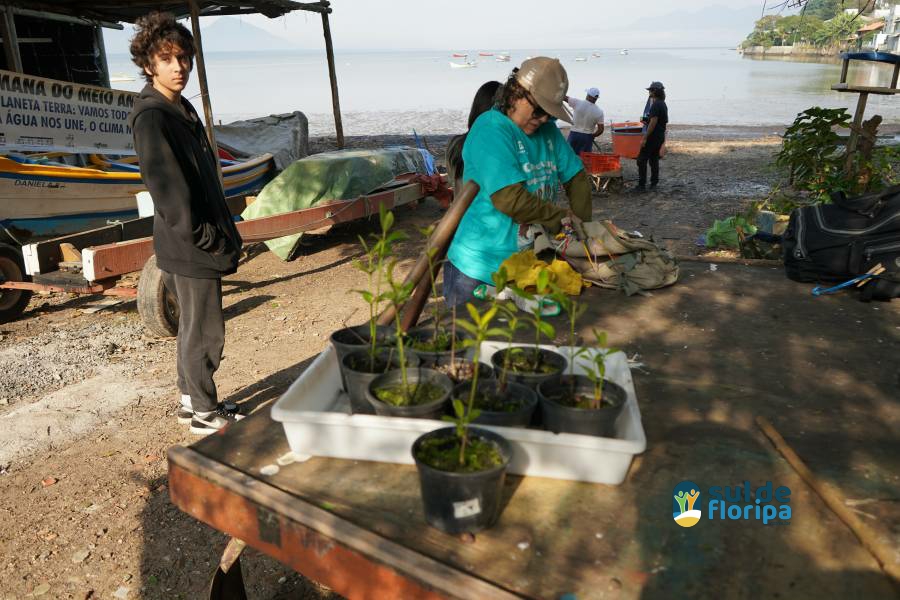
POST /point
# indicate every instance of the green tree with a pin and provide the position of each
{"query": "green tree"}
(827, 9)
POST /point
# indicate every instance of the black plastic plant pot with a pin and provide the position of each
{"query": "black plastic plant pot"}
(462, 502)
(357, 376)
(560, 418)
(513, 408)
(554, 365)
(429, 358)
(350, 339)
(433, 409)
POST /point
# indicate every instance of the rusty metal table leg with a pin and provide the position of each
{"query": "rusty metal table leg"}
(228, 581)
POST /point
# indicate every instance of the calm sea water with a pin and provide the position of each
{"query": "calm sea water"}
(394, 92)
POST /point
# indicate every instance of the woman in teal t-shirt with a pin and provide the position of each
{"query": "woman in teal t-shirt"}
(518, 158)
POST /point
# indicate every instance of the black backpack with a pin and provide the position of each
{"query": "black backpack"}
(830, 243)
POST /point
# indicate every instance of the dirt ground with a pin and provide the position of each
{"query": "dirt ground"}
(87, 400)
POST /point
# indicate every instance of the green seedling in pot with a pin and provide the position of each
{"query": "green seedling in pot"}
(596, 370)
(541, 327)
(573, 310)
(513, 324)
(440, 337)
(480, 330)
(373, 265)
(397, 295)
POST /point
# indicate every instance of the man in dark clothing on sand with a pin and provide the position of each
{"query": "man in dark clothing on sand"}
(655, 119)
(194, 236)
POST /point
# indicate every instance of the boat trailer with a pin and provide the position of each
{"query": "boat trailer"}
(94, 262)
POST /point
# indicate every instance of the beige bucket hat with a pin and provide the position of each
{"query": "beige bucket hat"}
(546, 80)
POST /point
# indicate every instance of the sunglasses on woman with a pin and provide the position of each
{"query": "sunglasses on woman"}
(538, 113)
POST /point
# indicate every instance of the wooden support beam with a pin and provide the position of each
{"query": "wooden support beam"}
(10, 40)
(204, 87)
(854, 130)
(332, 76)
(44, 257)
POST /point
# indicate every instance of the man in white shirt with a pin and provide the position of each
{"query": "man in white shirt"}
(587, 123)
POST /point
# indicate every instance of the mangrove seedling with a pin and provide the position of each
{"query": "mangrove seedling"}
(373, 264)
(480, 330)
(596, 370)
(397, 295)
(440, 337)
(541, 327)
(573, 310)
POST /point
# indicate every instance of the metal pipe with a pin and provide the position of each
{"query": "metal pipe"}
(440, 240)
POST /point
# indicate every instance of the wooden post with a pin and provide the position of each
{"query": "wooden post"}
(101, 49)
(855, 129)
(845, 65)
(895, 76)
(332, 75)
(10, 41)
(440, 240)
(204, 88)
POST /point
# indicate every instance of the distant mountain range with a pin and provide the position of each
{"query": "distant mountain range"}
(226, 34)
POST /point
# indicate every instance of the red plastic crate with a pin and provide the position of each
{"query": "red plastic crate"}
(595, 162)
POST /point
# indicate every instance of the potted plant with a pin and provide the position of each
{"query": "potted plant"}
(435, 344)
(532, 365)
(361, 350)
(405, 392)
(462, 468)
(458, 369)
(582, 404)
(498, 402)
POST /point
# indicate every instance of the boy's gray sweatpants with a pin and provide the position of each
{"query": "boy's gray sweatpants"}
(201, 337)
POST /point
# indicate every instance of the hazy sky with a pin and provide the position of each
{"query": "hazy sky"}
(470, 24)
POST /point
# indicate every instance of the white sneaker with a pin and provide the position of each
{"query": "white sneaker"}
(210, 422)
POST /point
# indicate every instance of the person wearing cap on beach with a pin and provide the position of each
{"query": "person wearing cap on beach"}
(519, 158)
(587, 124)
(655, 119)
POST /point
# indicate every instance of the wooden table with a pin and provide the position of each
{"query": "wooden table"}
(721, 347)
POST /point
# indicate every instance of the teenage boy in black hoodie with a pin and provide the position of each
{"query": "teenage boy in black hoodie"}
(194, 236)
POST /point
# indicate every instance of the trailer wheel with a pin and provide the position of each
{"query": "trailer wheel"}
(157, 305)
(12, 268)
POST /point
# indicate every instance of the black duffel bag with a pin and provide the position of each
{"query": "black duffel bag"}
(827, 243)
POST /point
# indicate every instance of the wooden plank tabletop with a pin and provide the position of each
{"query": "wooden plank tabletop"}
(725, 344)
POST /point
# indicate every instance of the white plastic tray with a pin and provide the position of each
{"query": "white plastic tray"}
(316, 416)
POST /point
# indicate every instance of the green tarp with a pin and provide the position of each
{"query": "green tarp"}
(342, 175)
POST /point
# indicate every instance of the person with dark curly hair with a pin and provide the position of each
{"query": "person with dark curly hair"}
(519, 159)
(194, 236)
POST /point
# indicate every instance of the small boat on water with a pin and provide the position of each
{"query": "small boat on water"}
(120, 77)
(624, 51)
(42, 197)
(502, 58)
(580, 59)
(463, 65)
(485, 54)
(595, 54)
(458, 55)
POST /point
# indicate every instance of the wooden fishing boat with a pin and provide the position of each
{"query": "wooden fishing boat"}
(463, 65)
(41, 199)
